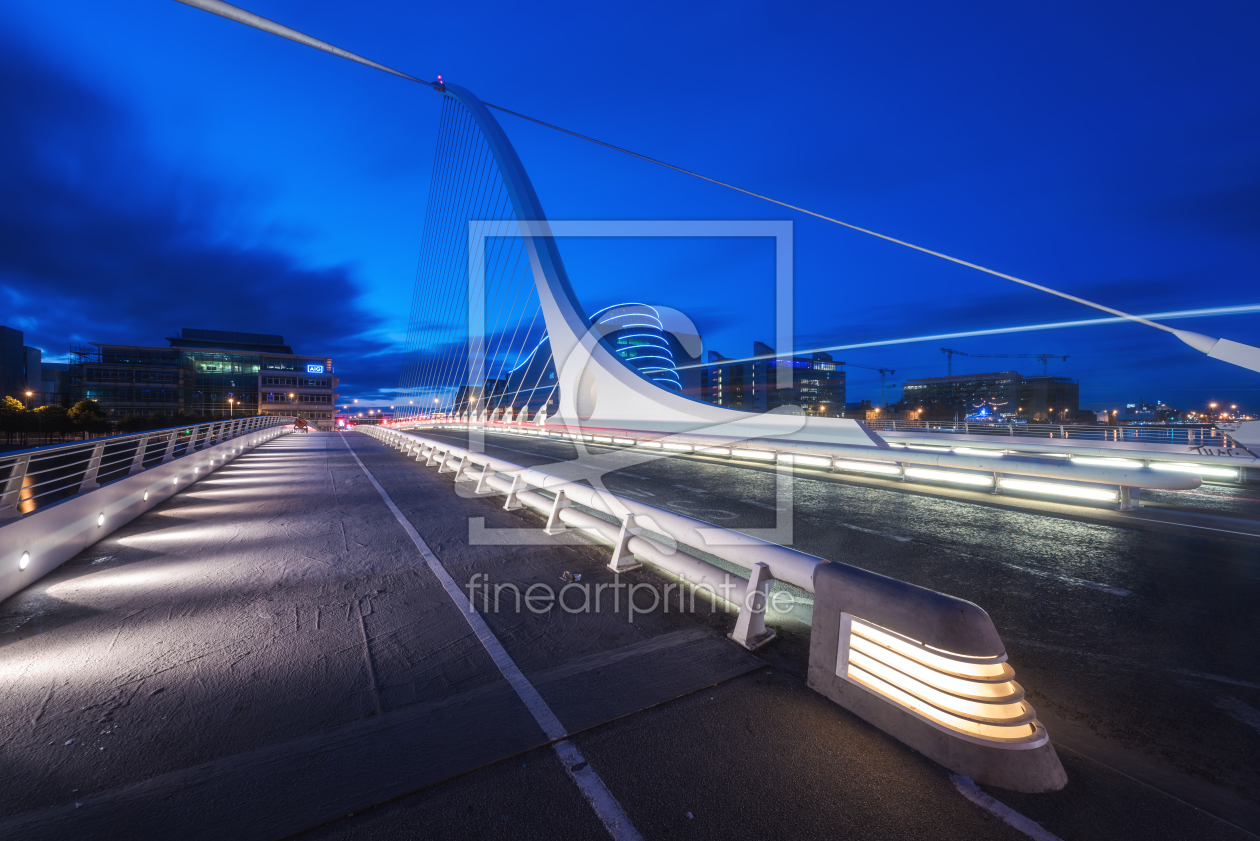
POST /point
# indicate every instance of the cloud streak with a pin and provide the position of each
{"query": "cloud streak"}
(101, 241)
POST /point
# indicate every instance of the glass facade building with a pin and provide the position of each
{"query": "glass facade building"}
(207, 372)
(635, 334)
(817, 383)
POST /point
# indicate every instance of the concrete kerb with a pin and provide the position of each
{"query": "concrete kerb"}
(48, 537)
(927, 668)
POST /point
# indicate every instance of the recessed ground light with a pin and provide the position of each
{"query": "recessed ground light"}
(146, 496)
(24, 561)
(100, 519)
(175, 481)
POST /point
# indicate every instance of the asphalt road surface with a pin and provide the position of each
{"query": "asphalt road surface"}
(268, 654)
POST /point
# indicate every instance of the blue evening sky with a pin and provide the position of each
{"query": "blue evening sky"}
(167, 168)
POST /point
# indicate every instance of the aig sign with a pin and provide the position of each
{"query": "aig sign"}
(312, 368)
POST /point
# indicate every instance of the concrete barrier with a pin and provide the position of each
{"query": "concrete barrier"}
(39, 542)
(929, 670)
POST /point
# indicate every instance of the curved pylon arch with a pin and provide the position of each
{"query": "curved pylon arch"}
(595, 388)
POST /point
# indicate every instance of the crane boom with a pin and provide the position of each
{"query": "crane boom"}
(1044, 357)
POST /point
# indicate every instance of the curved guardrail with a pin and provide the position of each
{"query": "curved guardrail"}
(1190, 434)
(928, 668)
(1115, 480)
(78, 495)
(38, 477)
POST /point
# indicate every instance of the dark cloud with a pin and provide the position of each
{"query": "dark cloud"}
(99, 241)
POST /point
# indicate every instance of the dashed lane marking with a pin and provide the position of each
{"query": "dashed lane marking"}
(968, 789)
(760, 505)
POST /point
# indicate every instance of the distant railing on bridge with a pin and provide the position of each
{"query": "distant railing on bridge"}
(35, 478)
(1194, 435)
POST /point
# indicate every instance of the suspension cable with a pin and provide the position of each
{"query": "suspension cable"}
(239, 15)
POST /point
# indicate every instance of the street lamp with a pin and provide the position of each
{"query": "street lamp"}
(39, 434)
(231, 407)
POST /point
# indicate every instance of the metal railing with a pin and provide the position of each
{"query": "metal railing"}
(926, 655)
(1193, 435)
(998, 471)
(35, 478)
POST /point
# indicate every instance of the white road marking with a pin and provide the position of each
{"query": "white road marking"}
(1129, 662)
(631, 475)
(1240, 711)
(760, 505)
(579, 770)
(872, 531)
(1068, 579)
(1028, 826)
(1193, 526)
(633, 492)
(693, 490)
(692, 508)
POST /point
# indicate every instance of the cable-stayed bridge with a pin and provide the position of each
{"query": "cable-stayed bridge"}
(247, 631)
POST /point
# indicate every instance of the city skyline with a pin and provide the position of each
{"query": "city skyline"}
(168, 184)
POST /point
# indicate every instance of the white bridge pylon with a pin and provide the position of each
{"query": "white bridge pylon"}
(595, 388)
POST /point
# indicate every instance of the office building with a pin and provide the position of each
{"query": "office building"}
(210, 372)
(727, 384)
(998, 395)
(817, 383)
(12, 364)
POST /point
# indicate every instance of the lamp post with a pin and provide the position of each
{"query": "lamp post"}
(231, 408)
(39, 429)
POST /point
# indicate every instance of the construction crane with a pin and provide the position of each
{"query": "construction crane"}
(882, 371)
(1044, 357)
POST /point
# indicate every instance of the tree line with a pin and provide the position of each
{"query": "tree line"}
(56, 424)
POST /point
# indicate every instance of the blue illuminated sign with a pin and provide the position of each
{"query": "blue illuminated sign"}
(312, 368)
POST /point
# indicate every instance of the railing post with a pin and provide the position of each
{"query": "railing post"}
(170, 446)
(1130, 498)
(137, 463)
(481, 480)
(89, 482)
(511, 503)
(12, 493)
(192, 440)
(622, 558)
(750, 628)
(554, 526)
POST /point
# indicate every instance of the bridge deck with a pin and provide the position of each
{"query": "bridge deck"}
(268, 652)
